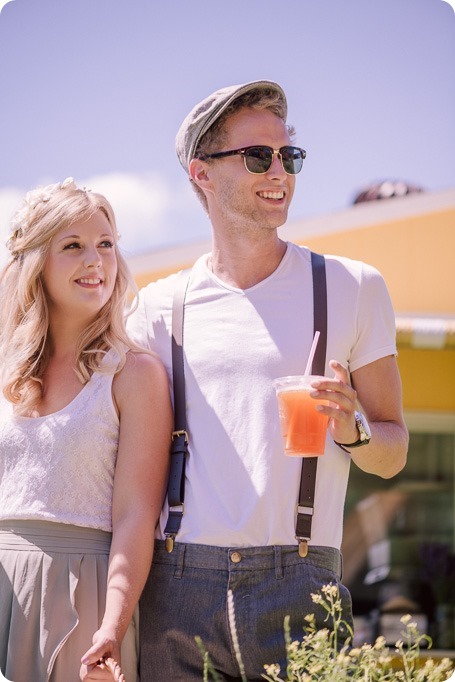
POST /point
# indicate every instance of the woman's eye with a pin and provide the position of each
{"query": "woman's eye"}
(107, 244)
(73, 245)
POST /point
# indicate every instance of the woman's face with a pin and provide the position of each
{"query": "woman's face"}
(81, 268)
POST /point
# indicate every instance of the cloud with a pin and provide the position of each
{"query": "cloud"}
(141, 203)
(150, 213)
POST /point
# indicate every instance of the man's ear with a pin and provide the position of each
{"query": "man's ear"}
(199, 173)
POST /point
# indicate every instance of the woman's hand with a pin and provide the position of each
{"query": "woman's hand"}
(104, 646)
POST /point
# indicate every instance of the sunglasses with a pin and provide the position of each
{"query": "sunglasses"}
(258, 159)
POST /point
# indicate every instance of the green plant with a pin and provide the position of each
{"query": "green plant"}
(319, 656)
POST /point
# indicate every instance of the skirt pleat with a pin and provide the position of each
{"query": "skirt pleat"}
(52, 593)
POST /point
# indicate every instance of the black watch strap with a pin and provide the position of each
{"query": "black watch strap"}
(356, 444)
(364, 433)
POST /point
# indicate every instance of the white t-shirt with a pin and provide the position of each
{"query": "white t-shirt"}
(241, 490)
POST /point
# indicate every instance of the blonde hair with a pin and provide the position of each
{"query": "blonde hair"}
(24, 315)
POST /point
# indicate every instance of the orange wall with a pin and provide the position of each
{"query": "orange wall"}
(428, 378)
(415, 255)
(142, 279)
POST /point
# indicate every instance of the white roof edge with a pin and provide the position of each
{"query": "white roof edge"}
(161, 259)
(426, 332)
(371, 213)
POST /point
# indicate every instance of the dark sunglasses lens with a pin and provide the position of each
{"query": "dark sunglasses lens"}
(258, 159)
(292, 159)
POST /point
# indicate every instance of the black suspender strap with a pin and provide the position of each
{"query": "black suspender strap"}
(179, 447)
(305, 506)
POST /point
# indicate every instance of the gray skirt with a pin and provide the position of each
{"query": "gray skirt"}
(53, 580)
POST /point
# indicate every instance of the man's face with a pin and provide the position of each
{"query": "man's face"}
(245, 200)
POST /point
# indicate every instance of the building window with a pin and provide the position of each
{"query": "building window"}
(399, 538)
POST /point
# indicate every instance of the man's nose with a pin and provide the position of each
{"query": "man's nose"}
(276, 169)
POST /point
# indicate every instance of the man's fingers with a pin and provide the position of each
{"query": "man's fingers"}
(341, 372)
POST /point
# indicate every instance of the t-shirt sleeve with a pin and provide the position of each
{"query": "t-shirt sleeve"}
(136, 322)
(376, 332)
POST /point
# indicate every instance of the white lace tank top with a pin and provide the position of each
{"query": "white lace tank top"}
(61, 467)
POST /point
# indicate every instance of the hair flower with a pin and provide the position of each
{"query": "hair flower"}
(68, 182)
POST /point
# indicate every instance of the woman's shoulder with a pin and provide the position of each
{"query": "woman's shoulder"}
(142, 374)
(138, 360)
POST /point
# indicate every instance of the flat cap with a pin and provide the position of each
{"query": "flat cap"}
(204, 115)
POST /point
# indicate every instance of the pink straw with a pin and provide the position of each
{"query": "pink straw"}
(312, 352)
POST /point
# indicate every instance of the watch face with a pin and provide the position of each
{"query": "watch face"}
(364, 433)
(362, 425)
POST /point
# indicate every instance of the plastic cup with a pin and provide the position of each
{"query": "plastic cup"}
(303, 428)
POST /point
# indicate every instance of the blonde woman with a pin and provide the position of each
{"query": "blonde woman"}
(85, 424)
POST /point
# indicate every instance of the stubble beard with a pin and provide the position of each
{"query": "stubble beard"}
(242, 217)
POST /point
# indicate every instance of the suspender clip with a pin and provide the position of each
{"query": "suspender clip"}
(176, 434)
(303, 548)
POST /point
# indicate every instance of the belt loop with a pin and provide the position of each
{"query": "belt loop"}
(178, 573)
(278, 562)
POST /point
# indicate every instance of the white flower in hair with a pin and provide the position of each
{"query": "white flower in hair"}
(68, 182)
(36, 196)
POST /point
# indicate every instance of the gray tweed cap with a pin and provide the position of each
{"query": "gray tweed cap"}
(204, 115)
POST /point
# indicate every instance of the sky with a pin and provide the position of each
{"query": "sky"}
(97, 89)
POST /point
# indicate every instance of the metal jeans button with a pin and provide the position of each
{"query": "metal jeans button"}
(236, 557)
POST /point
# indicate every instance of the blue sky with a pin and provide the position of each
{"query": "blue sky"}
(96, 89)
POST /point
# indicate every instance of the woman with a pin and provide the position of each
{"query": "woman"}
(85, 424)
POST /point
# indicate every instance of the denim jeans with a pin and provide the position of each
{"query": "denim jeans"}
(187, 593)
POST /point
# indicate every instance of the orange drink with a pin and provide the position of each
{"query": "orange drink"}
(303, 428)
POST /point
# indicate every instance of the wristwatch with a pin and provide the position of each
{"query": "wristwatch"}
(364, 432)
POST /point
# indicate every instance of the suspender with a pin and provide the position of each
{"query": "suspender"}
(179, 449)
(305, 507)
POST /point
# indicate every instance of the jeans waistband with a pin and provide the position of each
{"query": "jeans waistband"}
(245, 558)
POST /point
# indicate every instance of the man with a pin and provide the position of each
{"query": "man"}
(248, 320)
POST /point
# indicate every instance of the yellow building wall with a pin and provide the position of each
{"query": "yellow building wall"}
(428, 378)
(416, 256)
(144, 278)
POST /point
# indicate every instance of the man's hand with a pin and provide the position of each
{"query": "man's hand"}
(376, 390)
(343, 403)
